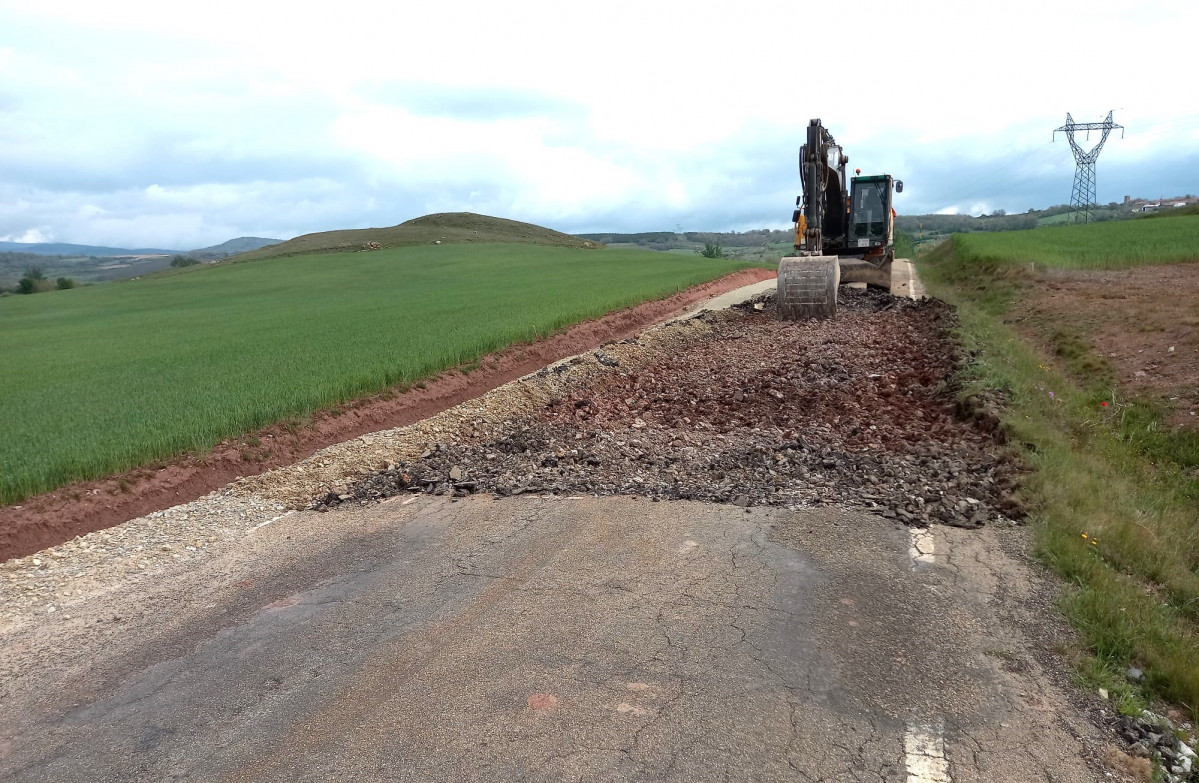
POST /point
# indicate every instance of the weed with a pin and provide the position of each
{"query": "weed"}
(1080, 361)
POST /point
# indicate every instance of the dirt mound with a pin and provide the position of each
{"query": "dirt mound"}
(444, 227)
(855, 411)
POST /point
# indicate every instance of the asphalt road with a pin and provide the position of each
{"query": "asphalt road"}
(570, 639)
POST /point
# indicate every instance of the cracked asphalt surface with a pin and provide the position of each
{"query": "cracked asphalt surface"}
(554, 639)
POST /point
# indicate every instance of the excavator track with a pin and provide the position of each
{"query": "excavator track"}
(807, 287)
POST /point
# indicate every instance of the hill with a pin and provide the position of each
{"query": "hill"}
(67, 249)
(98, 264)
(230, 248)
(238, 245)
(447, 228)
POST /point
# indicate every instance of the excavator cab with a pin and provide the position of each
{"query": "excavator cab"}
(870, 221)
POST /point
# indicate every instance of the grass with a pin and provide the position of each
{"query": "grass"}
(1110, 245)
(98, 380)
(1115, 492)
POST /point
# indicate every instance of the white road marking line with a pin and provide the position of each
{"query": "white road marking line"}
(923, 547)
(924, 749)
(274, 519)
(907, 282)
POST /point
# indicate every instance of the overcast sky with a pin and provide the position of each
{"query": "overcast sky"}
(183, 125)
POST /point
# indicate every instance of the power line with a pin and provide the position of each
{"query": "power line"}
(1024, 162)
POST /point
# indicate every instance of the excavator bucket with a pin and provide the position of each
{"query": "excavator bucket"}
(807, 287)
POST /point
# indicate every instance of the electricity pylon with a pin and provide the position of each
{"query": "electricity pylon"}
(1083, 195)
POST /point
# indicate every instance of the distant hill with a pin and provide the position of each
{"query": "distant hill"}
(97, 263)
(445, 227)
(65, 249)
(231, 247)
(240, 245)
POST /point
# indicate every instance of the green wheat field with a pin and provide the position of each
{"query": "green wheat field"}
(102, 379)
(1113, 245)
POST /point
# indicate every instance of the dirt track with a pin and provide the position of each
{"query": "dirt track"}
(78, 509)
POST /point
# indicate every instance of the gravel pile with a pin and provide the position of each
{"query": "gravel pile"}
(855, 411)
(1155, 737)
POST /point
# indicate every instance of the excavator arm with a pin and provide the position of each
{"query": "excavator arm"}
(822, 174)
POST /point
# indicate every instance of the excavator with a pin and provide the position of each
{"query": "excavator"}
(841, 235)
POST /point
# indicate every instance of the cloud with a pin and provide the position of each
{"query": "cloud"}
(467, 102)
(143, 123)
(30, 236)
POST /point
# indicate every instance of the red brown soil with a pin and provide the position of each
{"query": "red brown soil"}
(54, 517)
(1132, 318)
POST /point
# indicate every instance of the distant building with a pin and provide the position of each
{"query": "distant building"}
(1144, 205)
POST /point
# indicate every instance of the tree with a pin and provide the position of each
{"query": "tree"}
(28, 285)
(64, 283)
(33, 282)
(712, 250)
(180, 261)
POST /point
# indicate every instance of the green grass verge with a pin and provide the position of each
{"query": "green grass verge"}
(102, 379)
(1111, 245)
(1116, 493)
